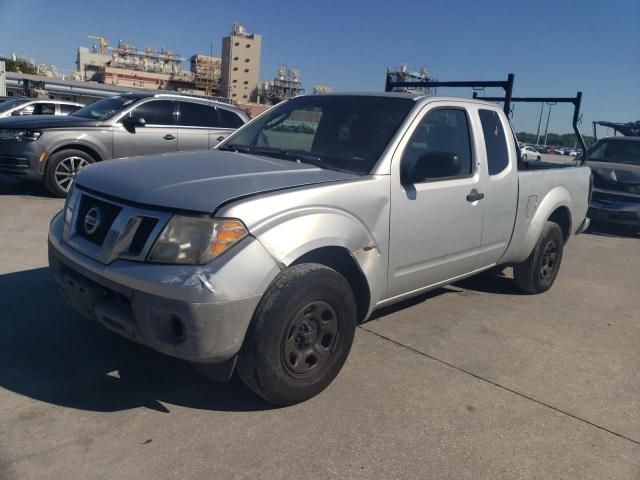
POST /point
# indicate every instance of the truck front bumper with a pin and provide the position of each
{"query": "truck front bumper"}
(167, 307)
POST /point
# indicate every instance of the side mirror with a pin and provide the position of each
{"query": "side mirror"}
(17, 113)
(130, 123)
(433, 165)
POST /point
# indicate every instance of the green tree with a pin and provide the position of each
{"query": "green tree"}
(21, 66)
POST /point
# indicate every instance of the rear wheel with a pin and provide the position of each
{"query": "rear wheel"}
(300, 336)
(62, 168)
(538, 272)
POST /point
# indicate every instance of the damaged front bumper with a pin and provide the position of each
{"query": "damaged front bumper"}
(196, 313)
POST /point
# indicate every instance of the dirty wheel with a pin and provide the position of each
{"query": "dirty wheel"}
(538, 272)
(300, 335)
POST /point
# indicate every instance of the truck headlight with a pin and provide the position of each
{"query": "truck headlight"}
(196, 240)
(12, 135)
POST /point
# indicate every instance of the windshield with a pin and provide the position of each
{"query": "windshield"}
(105, 108)
(338, 132)
(10, 104)
(618, 151)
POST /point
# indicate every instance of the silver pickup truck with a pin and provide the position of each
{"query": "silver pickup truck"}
(263, 255)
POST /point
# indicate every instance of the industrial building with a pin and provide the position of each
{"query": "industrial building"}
(284, 86)
(105, 70)
(240, 64)
(320, 89)
(207, 72)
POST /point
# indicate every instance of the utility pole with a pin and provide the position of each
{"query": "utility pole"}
(210, 69)
(546, 129)
(539, 123)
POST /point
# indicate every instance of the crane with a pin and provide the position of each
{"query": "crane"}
(102, 41)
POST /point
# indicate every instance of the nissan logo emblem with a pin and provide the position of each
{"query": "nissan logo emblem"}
(92, 220)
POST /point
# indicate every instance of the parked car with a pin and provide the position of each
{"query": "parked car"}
(615, 163)
(530, 153)
(18, 107)
(53, 149)
(262, 255)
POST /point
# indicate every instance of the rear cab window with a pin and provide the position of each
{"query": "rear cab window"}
(495, 141)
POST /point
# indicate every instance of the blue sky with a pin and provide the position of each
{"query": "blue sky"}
(553, 47)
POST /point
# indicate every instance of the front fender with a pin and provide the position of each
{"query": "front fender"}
(61, 140)
(294, 233)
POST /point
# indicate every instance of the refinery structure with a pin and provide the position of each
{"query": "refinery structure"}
(103, 67)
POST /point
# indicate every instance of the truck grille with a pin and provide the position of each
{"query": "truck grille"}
(613, 197)
(107, 230)
(106, 212)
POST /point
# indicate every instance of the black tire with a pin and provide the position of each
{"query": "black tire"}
(300, 335)
(538, 272)
(62, 167)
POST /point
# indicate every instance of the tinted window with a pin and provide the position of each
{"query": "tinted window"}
(229, 119)
(156, 112)
(495, 141)
(44, 109)
(67, 109)
(197, 115)
(619, 151)
(443, 130)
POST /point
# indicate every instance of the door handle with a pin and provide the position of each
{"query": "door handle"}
(474, 196)
(220, 138)
(168, 136)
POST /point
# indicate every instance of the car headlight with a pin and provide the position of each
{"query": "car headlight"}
(196, 240)
(11, 135)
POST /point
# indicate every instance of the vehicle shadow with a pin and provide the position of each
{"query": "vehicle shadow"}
(15, 186)
(49, 353)
(613, 230)
(498, 282)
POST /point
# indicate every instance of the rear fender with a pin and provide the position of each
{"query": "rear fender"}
(529, 229)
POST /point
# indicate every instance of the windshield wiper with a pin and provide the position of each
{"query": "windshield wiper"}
(282, 153)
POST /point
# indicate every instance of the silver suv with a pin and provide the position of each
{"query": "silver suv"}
(52, 149)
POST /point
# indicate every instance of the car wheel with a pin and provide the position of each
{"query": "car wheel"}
(62, 168)
(300, 335)
(538, 272)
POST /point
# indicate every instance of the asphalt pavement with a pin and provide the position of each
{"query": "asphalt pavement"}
(474, 381)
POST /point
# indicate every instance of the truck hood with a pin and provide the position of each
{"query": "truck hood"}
(199, 181)
(47, 121)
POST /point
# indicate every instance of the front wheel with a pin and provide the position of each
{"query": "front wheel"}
(62, 168)
(300, 336)
(538, 272)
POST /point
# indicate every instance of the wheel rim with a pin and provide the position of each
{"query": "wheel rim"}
(310, 339)
(66, 171)
(549, 260)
